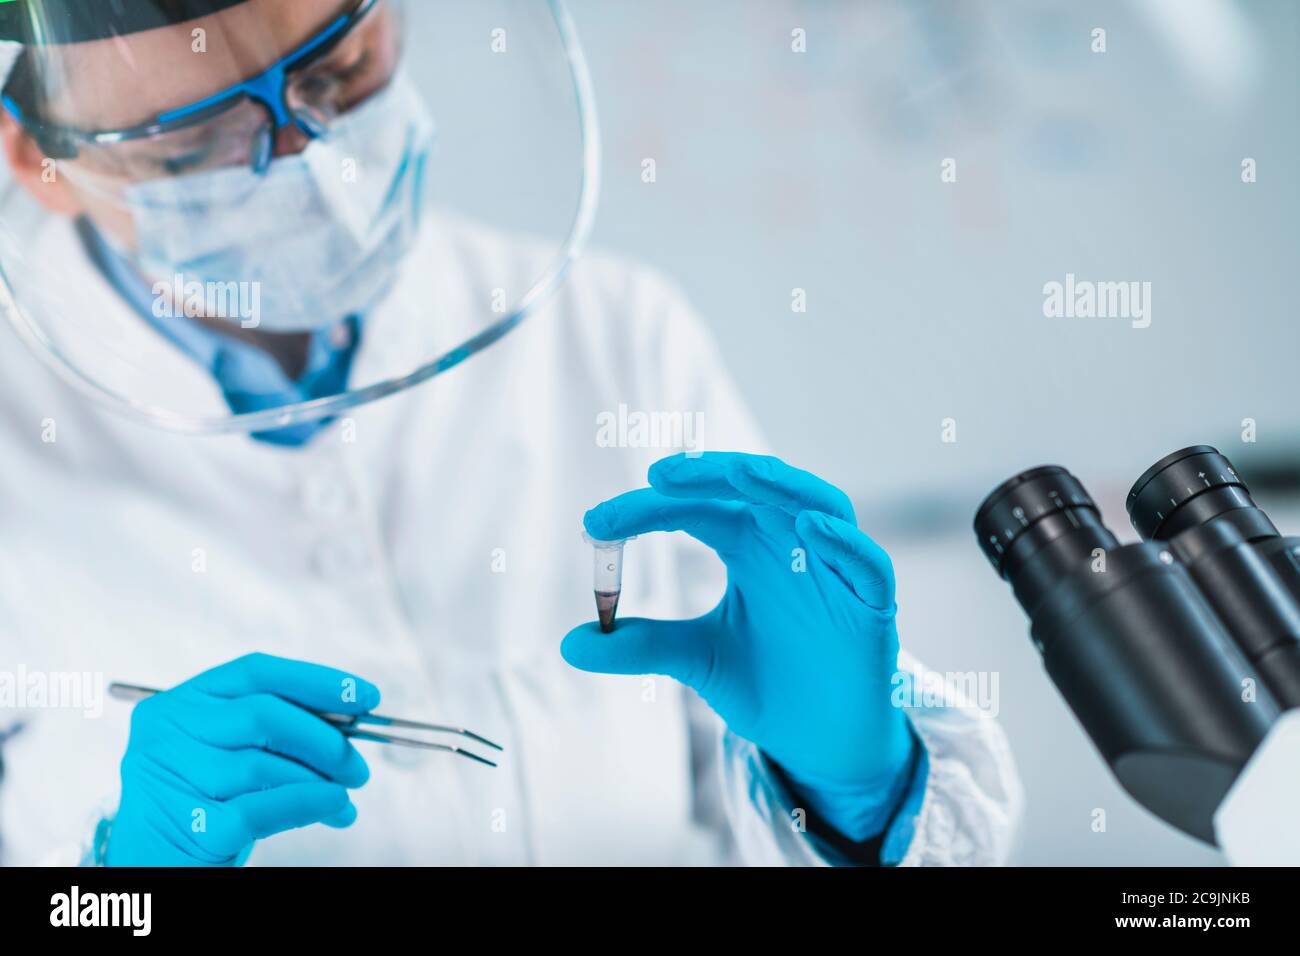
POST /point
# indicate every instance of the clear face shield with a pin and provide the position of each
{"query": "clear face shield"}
(258, 213)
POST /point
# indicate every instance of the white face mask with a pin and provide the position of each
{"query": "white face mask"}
(322, 233)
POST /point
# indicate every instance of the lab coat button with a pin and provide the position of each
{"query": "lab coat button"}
(340, 558)
(340, 335)
(403, 756)
(325, 497)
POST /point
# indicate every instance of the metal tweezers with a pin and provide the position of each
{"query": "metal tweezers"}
(350, 725)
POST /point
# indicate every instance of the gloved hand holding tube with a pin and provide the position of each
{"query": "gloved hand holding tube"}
(800, 655)
(232, 756)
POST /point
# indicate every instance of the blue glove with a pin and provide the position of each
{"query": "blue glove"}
(800, 655)
(231, 757)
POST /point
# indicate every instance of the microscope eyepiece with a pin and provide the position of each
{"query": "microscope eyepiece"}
(1038, 526)
(1194, 502)
(1135, 650)
(1184, 489)
(1020, 505)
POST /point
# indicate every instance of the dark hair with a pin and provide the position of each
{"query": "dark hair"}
(55, 22)
(25, 98)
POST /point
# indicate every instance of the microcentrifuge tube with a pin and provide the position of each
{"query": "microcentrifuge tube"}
(608, 579)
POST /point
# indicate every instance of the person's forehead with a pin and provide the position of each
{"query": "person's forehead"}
(126, 79)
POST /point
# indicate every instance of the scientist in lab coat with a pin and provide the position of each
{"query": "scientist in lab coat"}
(426, 546)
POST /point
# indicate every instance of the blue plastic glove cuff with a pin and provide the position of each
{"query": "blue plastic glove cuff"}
(898, 838)
(861, 812)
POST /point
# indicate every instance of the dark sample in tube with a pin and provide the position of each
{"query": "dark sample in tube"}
(608, 582)
(607, 607)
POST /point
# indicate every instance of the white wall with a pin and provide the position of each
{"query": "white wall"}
(821, 170)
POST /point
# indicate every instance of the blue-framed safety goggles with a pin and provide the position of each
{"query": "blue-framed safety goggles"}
(252, 111)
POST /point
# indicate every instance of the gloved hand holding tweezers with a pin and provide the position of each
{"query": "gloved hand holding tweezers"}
(243, 751)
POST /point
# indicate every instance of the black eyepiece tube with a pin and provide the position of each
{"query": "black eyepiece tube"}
(1138, 655)
(1194, 501)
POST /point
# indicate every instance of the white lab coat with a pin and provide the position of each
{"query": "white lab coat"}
(438, 554)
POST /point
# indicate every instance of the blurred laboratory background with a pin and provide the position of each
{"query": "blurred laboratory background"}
(777, 170)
